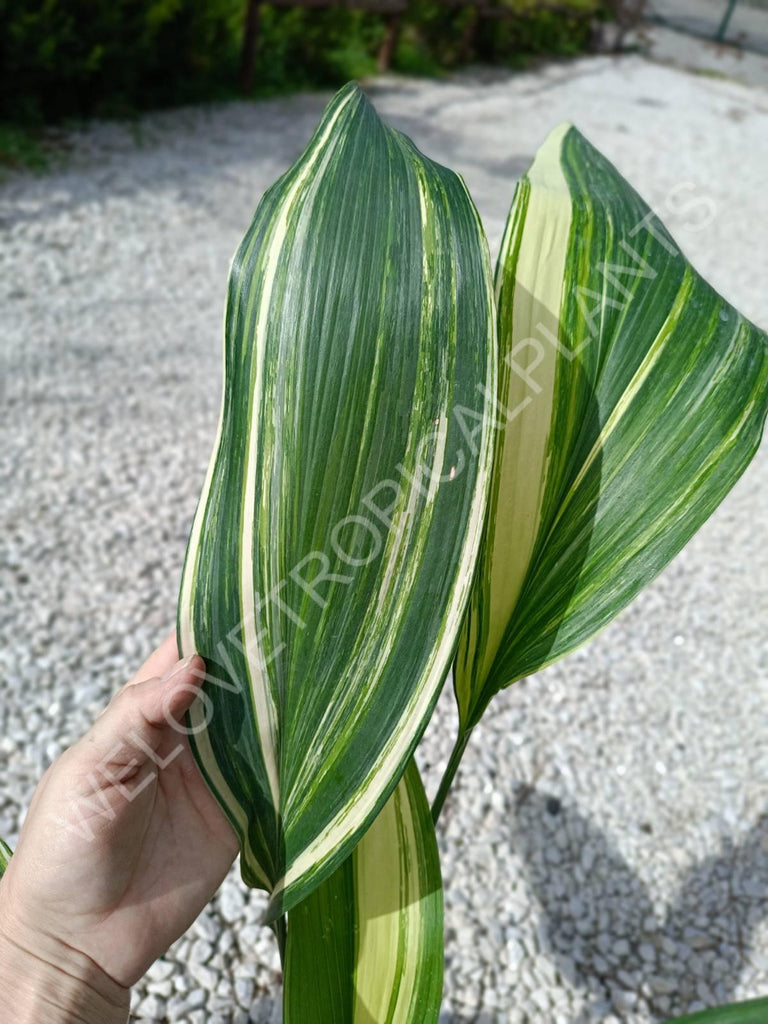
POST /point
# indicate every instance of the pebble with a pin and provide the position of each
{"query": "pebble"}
(514, 954)
(231, 903)
(194, 999)
(200, 952)
(160, 988)
(204, 976)
(244, 991)
(151, 1006)
(207, 928)
(647, 952)
(161, 970)
(663, 986)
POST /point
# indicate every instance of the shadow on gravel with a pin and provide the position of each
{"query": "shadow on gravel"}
(601, 926)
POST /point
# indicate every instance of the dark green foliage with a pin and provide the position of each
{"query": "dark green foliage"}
(436, 37)
(21, 147)
(75, 58)
(61, 58)
(300, 47)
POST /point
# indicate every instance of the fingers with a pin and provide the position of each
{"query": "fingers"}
(163, 701)
(138, 718)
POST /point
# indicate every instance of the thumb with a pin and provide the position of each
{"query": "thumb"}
(137, 720)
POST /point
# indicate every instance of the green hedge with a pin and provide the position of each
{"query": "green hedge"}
(71, 58)
(64, 58)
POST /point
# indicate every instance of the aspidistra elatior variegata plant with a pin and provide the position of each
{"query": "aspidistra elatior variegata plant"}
(631, 398)
(331, 555)
(367, 944)
(326, 590)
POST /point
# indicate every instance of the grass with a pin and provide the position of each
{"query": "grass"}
(715, 73)
(22, 148)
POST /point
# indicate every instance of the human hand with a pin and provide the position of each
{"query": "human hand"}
(121, 849)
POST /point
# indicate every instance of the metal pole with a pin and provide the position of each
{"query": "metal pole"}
(720, 34)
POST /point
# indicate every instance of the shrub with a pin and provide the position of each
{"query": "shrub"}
(79, 58)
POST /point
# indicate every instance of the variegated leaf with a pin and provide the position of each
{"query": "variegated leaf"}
(366, 947)
(754, 1011)
(631, 398)
(5, 856)
(330, 559)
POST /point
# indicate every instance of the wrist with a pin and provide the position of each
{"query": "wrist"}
(48, 982)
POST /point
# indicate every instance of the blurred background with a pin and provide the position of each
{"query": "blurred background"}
(73, 59)
(67, 59)
(605, 850)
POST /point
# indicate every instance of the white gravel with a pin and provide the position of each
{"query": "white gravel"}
(604, 853)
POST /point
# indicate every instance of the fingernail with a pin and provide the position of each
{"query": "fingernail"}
(180, 666)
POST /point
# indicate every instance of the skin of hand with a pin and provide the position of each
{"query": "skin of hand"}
(121, 849)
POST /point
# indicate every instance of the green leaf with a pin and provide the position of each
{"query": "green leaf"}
(755, 1011)
(366, 947)
(330, 559)
(5, 856)
(631, 398)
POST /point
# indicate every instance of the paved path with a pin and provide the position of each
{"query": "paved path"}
(747, 25)
(606, 850)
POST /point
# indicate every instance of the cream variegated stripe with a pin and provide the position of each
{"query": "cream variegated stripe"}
(5, 856)
(367, 945)
(197, 723)
(265, 708)
(197, 715)
(359, 319)
(265, 712)
(524, 442)
(635, 399)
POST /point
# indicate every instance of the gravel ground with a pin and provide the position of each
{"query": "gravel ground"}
(605, 851)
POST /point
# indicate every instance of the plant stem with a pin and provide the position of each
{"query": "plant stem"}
(281, 932)
(453, 763)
